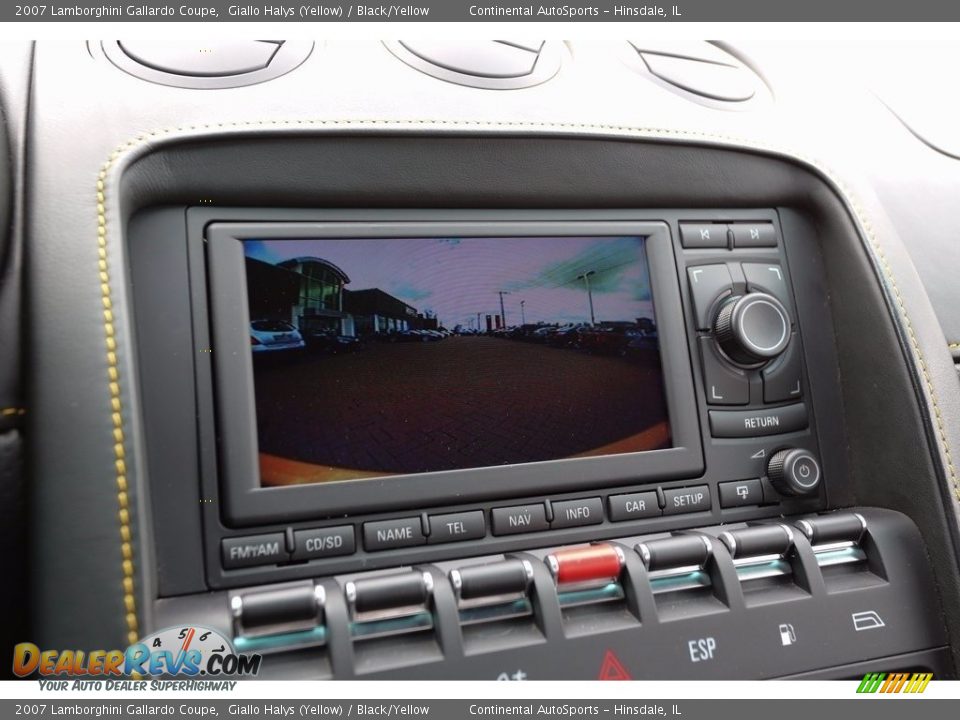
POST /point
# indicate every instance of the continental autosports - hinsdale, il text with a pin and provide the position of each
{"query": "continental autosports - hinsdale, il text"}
(532, 11)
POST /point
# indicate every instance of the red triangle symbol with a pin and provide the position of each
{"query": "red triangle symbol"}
(612, 669)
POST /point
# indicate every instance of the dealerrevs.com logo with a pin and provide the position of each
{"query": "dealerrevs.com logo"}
(190, 651)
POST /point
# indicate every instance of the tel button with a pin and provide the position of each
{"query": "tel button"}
(519, 519)
(633, 506)
(323, 542)
(453, 527)
(253, 550)
(686, 500)
(389, 534)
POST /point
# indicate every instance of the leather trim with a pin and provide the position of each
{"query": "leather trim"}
(109, 214)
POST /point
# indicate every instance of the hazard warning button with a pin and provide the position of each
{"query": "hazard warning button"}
(612, 668)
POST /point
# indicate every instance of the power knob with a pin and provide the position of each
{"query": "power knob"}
(794, 471)
(752, 329)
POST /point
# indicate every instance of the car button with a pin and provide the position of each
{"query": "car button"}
(390, 534)
(708, 283)
(753, 235)
(633, 506)
(323, 542)
(571, 513)
(519, 519)
(686, 500)
(253, 550)
(757, 423)
(723, 383)
(740, 492)
(454, 527)
(703, 235)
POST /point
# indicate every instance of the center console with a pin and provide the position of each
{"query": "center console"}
(515, 444)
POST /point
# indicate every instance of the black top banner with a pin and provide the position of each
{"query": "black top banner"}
(487, 11)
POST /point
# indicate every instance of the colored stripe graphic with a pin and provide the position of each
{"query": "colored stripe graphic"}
(894, 683)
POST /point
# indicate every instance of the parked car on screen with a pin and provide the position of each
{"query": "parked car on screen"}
(609, 340)
(274, 335)
(330, 341)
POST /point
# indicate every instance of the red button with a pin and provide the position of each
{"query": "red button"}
(587, 564)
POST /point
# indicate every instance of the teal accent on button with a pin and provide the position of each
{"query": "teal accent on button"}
(315, 636)
(391, 626)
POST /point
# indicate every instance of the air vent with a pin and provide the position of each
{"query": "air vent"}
(207, 65)
(487, 64)
(699, 71)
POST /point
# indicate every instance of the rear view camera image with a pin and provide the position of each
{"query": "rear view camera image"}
(376, 357)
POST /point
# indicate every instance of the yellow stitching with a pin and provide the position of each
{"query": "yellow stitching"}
(12, 411)
(113, 370)
(954, 346)
(116, 417)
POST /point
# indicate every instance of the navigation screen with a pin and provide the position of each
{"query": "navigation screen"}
(376, 357)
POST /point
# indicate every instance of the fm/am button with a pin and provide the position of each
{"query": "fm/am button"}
(252, 550)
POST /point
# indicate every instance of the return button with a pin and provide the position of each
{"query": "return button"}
(755, 423)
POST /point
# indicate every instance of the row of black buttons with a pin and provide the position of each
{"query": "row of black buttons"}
(272, 548)
(723, 236)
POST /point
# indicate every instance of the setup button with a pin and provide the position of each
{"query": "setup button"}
(686, 500)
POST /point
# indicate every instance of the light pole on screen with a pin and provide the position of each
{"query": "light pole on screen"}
(586, 281)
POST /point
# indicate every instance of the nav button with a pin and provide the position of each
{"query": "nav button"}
(519, 519)
(686, 500)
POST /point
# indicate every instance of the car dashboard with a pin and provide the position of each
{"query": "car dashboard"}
(469, 360)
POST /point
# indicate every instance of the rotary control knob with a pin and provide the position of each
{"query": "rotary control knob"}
(752, 329)
(794, 471)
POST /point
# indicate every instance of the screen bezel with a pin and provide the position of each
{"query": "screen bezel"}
(245, 502)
